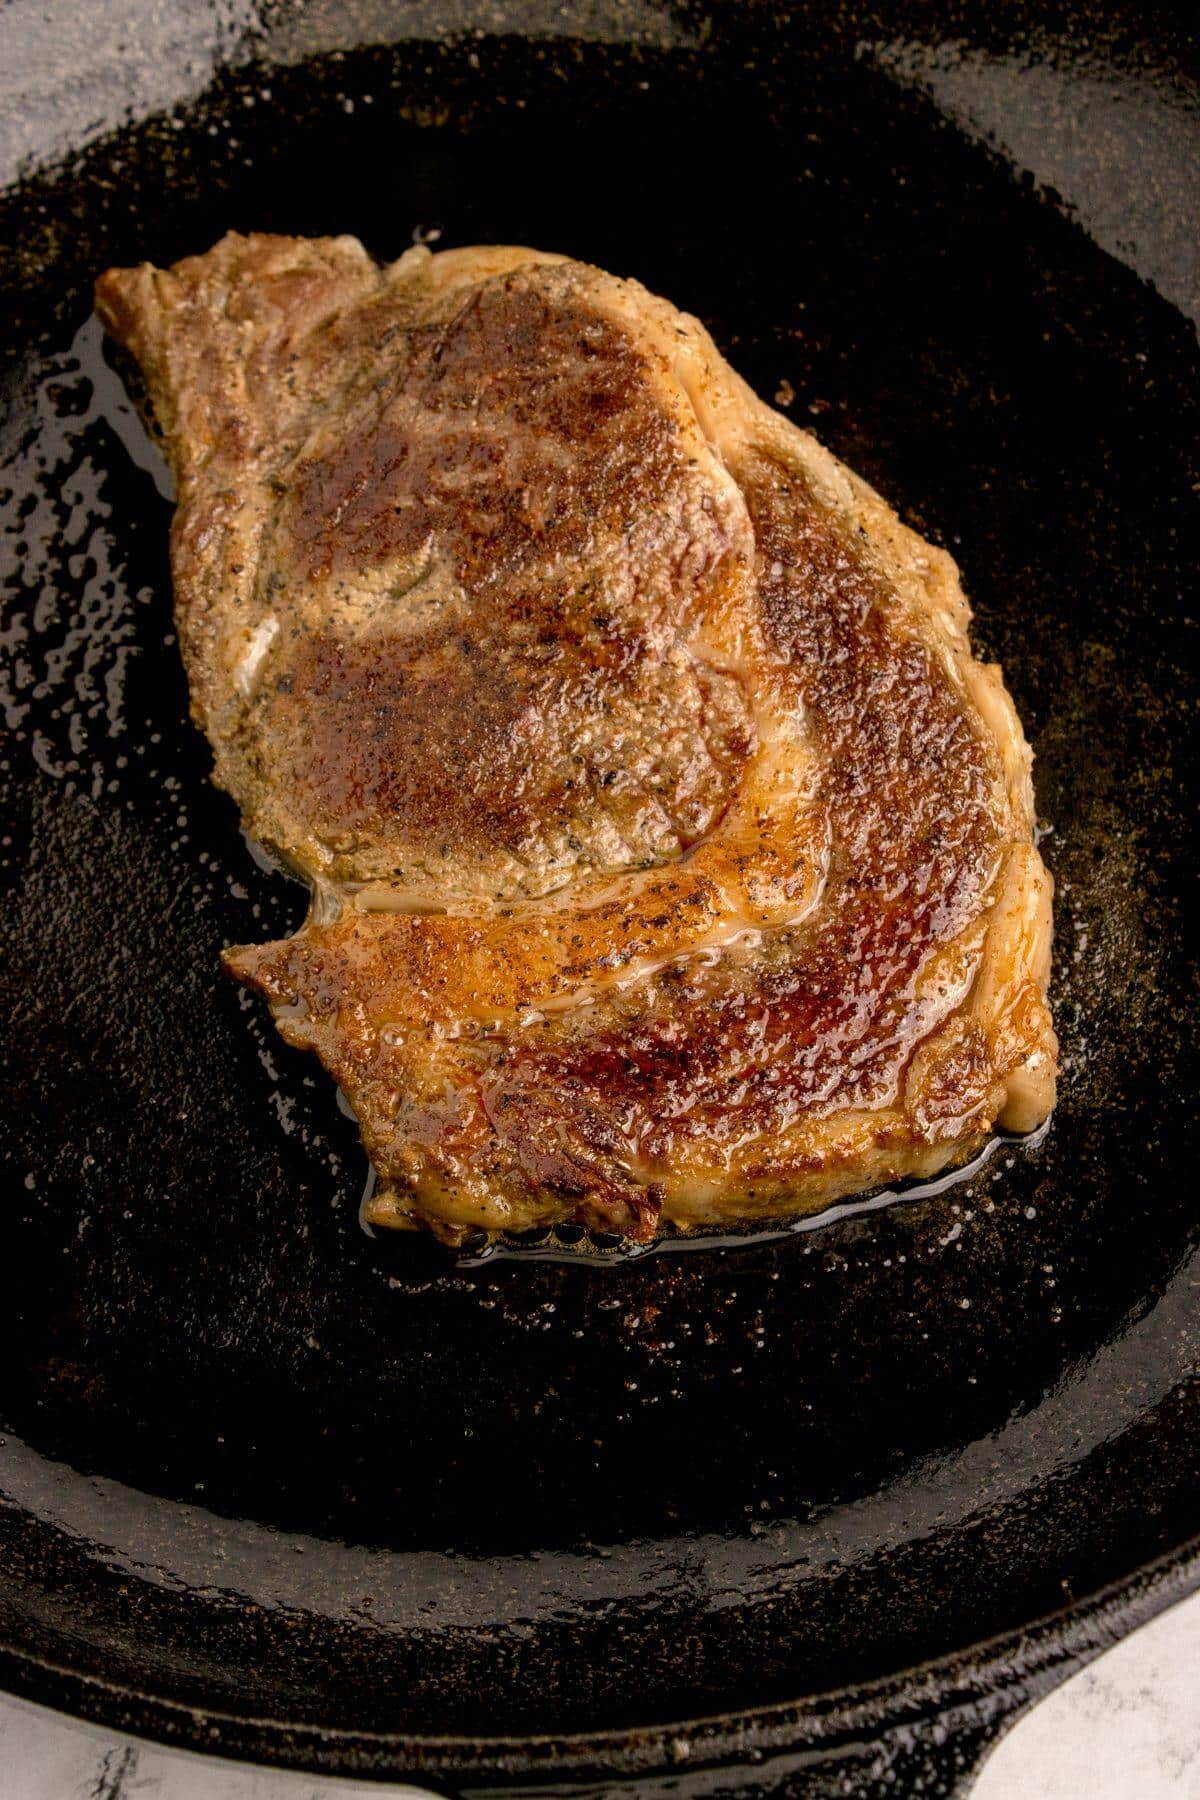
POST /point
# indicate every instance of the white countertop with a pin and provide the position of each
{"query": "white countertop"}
(1126, 1728)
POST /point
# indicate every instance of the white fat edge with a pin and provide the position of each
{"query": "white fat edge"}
(376, 898)
(325, 906)
(249, 663)
(414, 261)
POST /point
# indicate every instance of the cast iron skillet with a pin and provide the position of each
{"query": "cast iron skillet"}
(769, 1518)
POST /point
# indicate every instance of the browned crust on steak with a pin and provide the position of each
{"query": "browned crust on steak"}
(676, 856)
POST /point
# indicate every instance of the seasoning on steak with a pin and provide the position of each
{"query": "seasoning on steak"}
(672, 856)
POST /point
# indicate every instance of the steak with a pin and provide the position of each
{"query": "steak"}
(672, 856)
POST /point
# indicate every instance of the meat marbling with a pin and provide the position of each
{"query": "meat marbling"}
(672, 856)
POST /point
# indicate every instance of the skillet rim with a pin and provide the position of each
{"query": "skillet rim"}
(985, 1684)
(991, 1679)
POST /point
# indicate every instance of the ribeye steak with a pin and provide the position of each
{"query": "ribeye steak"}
(672, 855)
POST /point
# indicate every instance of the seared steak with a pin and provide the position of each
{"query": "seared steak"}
(672, 855)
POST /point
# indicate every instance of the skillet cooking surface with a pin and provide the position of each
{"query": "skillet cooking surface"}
(262, 1465)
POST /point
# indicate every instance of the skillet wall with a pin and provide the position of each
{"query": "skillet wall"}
(261, 1464)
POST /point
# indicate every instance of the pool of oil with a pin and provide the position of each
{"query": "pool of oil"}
(605, 1249)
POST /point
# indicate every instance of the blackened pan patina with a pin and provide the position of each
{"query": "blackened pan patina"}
(766, 1518)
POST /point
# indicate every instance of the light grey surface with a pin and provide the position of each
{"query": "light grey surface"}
(76, 72)
(1126, 1728)
(1122, 155)
(71, 73)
